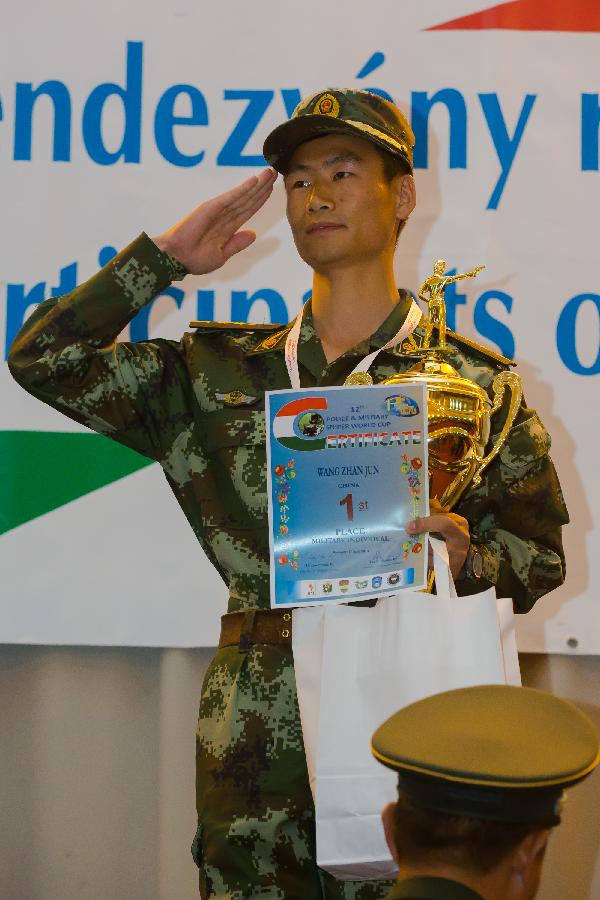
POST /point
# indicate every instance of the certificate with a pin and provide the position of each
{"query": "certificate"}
(347, 470)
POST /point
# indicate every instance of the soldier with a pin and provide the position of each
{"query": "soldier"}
(481, 777)
(197, 407)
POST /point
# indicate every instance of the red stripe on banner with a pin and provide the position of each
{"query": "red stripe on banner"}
(531, 15)
(298, 406)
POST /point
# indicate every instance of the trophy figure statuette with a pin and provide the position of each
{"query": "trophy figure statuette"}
(432, 293)
(459, 411)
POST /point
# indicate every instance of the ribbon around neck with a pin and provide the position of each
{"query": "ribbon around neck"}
(411, 321)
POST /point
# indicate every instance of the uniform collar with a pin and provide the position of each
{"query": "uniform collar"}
(310, 351)
(429, 888)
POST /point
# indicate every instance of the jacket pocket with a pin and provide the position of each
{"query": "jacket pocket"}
(226, 427)
(236, 492)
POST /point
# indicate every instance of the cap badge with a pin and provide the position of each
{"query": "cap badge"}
(327, 105)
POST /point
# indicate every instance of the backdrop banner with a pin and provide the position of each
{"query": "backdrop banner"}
(117, 118)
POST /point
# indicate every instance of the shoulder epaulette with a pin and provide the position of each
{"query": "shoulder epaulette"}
(481, 348)
(235, 326)
(273, 340)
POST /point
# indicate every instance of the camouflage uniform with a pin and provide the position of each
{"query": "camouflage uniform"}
(197, 408)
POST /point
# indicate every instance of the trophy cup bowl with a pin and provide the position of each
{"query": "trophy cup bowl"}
(459, 411)
(459, 420)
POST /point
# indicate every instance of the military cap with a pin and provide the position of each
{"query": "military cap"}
(493, 752)
(361, 113)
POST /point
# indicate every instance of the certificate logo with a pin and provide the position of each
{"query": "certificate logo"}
(327, 587)
(400, 405)
(344, 585)
(394, 578)
(300, 424)
(361, 584)
(310, 424)
(376, 581)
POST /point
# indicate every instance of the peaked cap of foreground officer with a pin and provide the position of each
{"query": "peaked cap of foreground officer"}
(492, 752)
(361, 113)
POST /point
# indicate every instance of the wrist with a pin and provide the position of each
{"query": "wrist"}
(474, 565)
(164, 243)
(490, 554)
(178, 268)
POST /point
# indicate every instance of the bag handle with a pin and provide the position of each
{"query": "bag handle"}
(441, 567)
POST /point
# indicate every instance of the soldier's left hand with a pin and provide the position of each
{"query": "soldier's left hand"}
(452, 528)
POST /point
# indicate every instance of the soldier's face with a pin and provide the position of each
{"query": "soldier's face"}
(340, 207)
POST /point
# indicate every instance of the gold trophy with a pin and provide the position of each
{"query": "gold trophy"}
(459, 411)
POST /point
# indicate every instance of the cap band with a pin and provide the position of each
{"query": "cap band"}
(368, 129)
(519, 805)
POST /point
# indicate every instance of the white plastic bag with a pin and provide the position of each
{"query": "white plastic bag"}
(355, 666)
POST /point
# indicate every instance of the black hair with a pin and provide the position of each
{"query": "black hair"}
(430, 837)
(392, 167)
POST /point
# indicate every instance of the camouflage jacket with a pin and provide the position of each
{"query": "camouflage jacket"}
(196, 406)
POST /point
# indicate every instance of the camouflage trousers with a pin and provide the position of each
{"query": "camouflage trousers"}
(256, 826)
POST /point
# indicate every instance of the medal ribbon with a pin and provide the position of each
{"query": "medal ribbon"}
(411, 321)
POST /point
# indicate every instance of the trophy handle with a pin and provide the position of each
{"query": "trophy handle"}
(501, 382)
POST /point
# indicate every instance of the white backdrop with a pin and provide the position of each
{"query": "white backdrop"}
(507, 175)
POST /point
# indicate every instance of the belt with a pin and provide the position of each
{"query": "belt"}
(256, 626)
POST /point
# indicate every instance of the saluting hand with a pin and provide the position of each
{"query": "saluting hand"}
(210, 235)
(454, 529)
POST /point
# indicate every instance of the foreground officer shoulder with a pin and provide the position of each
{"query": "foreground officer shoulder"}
(493, 752)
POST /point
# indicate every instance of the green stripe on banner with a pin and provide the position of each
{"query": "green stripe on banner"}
(42, 470)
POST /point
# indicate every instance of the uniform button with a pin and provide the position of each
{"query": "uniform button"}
(287, 617)
(285, 633)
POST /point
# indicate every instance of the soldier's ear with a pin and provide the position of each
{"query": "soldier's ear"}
(530, 852)
(387, 817)
(406, 196)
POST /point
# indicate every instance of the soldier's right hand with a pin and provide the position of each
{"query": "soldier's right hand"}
(211, 234)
